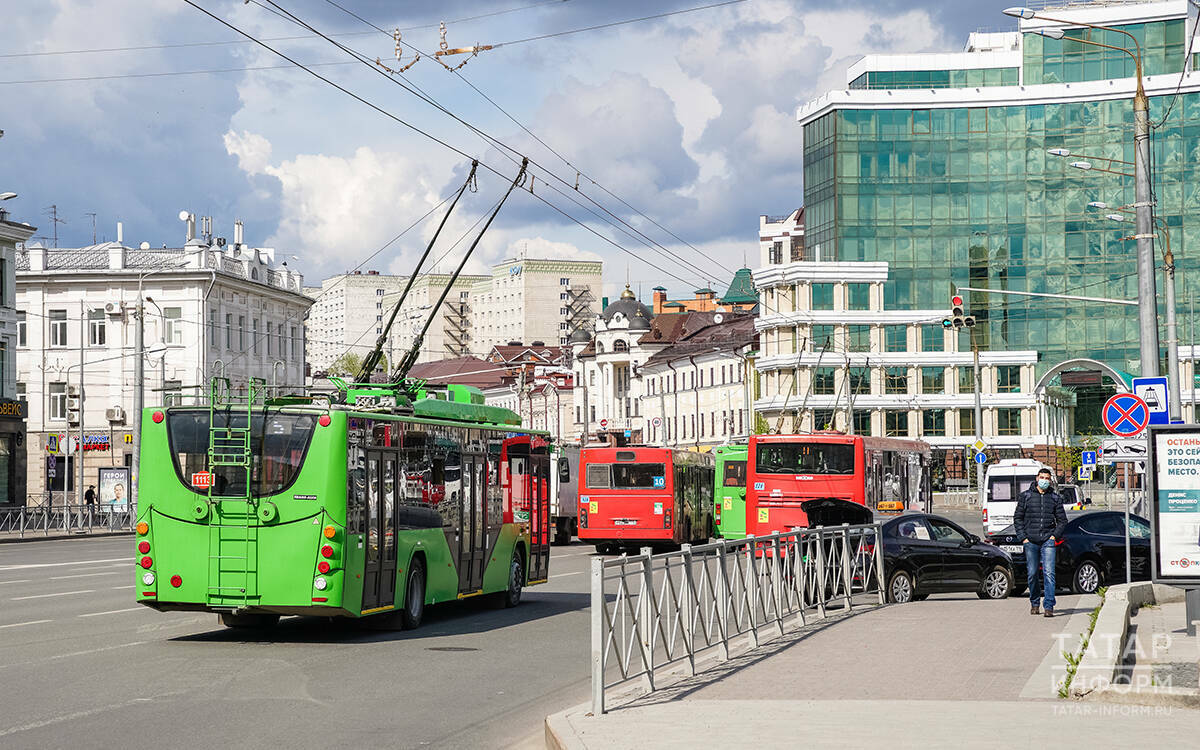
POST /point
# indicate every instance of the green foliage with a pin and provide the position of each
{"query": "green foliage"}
(349, 364)
(761, 425)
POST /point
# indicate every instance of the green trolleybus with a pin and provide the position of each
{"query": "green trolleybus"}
(731, 491)
(386, 502)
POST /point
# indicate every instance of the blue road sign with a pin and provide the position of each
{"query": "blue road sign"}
(1125, 415)
(981, 457)
(1155, 393)
(628, 433)
(1089, 458)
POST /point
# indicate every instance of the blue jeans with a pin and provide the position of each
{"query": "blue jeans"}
(1048, 556)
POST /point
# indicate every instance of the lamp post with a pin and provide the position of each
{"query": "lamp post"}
(1147, 293)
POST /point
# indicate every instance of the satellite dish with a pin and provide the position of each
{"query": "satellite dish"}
(718, 318)
(183, 215)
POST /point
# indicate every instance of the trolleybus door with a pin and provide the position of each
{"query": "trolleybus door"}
(387, 530)
(379, 569)
(473, 542)
(373, 563)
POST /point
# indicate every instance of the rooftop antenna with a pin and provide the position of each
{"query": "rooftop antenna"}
(371, 361)
(52, 212)
(93, 215)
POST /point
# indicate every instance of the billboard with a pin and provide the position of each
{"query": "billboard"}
(1174, 488)
(113, 492)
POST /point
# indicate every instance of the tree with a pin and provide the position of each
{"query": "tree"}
(349, 365)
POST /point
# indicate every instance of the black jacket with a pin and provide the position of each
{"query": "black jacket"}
(1039, 515)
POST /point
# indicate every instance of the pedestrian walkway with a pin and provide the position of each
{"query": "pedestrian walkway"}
(952, 671)
(34, 535)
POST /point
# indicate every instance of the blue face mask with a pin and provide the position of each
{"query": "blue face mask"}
(1043, 484)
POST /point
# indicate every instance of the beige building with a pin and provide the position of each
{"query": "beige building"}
(532, 299)
(449, 335)
(347, 315)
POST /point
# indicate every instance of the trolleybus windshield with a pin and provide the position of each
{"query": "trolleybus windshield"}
(626, 476)
(804, 458)
(278, 442)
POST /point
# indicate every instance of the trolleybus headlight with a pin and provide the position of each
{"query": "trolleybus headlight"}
(176, 581)
(323, 567)
(143, 546)
(158, 417)
(320, 584)
(146, 562)
(148, 578)
(142, 528)
(327, 551)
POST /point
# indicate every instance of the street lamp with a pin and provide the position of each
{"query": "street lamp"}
(1147, 293)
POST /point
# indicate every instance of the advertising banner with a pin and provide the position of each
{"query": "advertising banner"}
(113, 492)
(1175, 502)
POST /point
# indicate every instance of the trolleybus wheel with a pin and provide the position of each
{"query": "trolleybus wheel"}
(414, 596)
(516, 579)
(261, 621)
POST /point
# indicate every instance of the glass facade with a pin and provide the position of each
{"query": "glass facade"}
(970, 197)
(1069, 60)
(936, 79)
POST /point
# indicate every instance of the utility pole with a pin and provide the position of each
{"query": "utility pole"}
(79, 445)
(1147, 291)
(139, 393)
(978, 419)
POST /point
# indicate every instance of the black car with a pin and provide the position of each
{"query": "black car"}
(1091, 552)
(925, 554)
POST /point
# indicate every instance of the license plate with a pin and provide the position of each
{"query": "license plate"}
(1012, 548)
(625, 522)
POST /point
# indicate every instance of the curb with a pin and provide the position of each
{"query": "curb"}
(1099, 665)
(56, 537)
(559, 733)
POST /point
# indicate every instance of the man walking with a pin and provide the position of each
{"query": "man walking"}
(89, 497)
(1040, 521)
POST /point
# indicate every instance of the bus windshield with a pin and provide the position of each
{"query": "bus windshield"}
(626, 476)
(278, 442)
(735, 474)
(804, 458)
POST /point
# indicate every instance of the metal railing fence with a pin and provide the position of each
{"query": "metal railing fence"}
(54, 519)
(652, 612)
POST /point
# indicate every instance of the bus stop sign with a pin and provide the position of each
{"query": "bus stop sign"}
(1125, 415)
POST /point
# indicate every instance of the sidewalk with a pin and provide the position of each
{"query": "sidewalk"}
(952, 671)
(41, 536)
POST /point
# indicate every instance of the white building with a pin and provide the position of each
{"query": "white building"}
(449, 335)
(531, 299)
(347, 315)
(209, 311)
(13, 409)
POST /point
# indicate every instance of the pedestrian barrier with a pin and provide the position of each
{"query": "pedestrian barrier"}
(654, 612)
(65, 519)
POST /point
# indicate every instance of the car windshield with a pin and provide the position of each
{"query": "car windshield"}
(804, 458)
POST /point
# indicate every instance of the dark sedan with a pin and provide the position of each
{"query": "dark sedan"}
(1091, 552)
(925, 554)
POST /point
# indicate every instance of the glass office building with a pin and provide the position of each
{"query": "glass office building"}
(938, 164)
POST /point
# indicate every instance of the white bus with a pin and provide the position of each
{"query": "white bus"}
(1005, 482)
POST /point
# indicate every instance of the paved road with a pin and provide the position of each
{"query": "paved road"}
(84, 666)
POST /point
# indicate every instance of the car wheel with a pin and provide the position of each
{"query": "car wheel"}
(900, 588)
(414, 596)
(1086, 579)
(996, 584)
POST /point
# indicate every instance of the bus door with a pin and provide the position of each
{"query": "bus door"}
(373, 562)
(472, 549)
(379, 569)
(538, 492)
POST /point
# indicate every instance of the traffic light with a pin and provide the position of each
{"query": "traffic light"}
(957, 317)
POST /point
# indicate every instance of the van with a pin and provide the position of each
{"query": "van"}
(1005, 481)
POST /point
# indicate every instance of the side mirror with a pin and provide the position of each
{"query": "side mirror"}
(972, 540)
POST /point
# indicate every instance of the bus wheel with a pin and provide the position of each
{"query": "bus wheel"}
(414, 596)
(516, 579)
(248, 621)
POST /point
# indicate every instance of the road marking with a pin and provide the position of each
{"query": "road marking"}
(84, 575)
(118, 588)
(59, 565)
(23, 580)
(20, 624)
(556, 576)
(47, 596)
(111, 612)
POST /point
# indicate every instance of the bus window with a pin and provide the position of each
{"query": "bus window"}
(804, 458)
(638, 476)
(735, 474)
(598, 477)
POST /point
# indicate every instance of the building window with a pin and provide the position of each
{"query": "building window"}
(823, 419)
(860, 381)
(378, 293)
(933, 338)
(966, 421)
(228, 330)
(58, 329)
(241, 333)
(593, 413)
(896, 423)
(578, 414)
(966, 380)
(295, 343)
(823, 381)
(270, 342)
(96, 327)
(620, 346)
(564, 282)
(212, 327)
(174, 329)
(858, 338)
(895, 380)
(934, 422)
(862, 423)
(895, 338)
(21, 331)
(822, 338)
(933, 380)
(1008, 421)
(254, 340)
(858, 296)
(822, 296)
(1008, 379)
(775, 254)
(58, 401)
(173, 393)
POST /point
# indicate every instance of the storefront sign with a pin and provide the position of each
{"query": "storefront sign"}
(13, 409)
(96, 442)
(1175, 489)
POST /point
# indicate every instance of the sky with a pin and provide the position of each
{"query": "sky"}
(680, 130)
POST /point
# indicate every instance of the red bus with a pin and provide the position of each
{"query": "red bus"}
(829, 478)
(644, 496)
